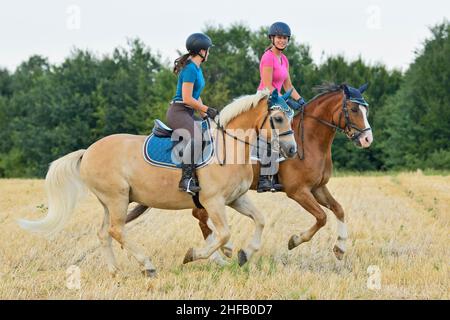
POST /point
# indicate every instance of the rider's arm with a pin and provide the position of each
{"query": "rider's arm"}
(266, 76)
(202, 114)
(195, 104)
(287, 85)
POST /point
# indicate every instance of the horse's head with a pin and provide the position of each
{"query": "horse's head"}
(276, 123)
(353, 118)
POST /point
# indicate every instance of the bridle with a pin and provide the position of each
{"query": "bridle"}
(272, 126)
(348, 124)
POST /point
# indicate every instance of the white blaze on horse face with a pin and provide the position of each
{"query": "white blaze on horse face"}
(366, 138)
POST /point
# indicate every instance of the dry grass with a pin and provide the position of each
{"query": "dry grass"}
(398, 223)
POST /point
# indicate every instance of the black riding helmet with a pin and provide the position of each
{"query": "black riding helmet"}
(279, 29)
(198, 41)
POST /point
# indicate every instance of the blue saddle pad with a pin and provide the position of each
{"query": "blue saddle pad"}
(158, 150)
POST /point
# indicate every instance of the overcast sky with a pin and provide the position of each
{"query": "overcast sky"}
(378, 30)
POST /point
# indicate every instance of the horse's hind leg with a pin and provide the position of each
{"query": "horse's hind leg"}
(306, 199)
(246, 207)
(208, 235)
(105, 242)
(325, 198)
(117, 207)
(219, 227)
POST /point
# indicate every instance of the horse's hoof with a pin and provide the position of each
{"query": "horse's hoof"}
(149, 273)
(242, 258)
(228, 252)
(113, 274)
(293, 242)
(189, 257)
(338, 252)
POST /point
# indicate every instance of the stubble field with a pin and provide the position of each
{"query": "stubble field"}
(398, 233)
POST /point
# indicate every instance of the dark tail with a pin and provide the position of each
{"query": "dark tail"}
(136, 212)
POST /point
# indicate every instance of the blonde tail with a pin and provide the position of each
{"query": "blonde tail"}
(64, 188)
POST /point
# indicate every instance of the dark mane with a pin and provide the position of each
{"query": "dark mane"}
(325, 88)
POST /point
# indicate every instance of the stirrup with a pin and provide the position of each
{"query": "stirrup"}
(276, 185)
(188, 189)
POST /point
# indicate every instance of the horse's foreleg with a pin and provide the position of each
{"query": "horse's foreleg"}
(246, 207)
(325, 198)
(117, 207)
(202, 216)
(306, 199)
(220, 232)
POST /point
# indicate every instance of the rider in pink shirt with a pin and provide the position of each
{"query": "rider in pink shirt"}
(277, 65)
(274, 71)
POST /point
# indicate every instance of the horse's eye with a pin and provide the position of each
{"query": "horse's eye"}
(278, 119)
(355, 109)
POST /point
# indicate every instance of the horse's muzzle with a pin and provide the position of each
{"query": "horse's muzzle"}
(364, 139)
(288, 149)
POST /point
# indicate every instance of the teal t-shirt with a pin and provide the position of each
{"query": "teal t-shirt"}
(190, 73)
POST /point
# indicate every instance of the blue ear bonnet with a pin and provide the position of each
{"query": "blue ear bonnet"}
(278, 102)
(355, 95)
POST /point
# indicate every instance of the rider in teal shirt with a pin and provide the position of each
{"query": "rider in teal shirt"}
(190, 73)
(186, 100)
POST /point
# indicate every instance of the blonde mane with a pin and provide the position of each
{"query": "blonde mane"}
(241, 105)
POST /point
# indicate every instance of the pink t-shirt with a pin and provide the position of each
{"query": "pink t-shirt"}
(280, 69)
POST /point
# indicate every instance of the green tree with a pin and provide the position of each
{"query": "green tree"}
(125, 97)
(417, 132)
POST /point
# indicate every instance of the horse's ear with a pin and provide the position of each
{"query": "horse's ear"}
(273, 97)
(346, 90)
(287, 94)
(363, 88)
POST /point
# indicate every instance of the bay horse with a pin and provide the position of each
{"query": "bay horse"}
(114, 170)
(336, 108)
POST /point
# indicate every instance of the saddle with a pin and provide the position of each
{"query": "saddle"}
(161, 130)
(158, 149)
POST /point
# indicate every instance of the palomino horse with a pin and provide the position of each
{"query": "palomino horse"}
(305, 177)
(114, 169)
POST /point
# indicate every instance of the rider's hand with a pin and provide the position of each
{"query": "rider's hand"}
(212, 113)
(293, 104)
(296, 104)
(301, 101)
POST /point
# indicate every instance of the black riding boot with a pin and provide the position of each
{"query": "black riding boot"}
(264, 184)
(188, 180)
(276, 185)
(269, 183)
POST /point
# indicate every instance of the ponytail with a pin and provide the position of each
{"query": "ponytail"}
(180, 63)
